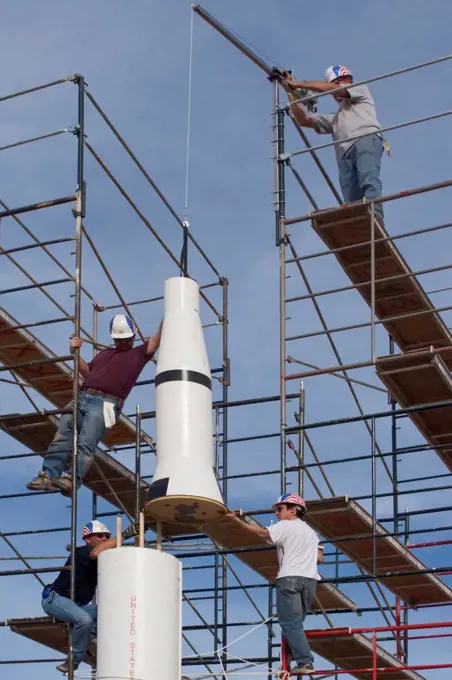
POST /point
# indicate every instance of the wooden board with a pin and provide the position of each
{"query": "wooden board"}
(349, 651)
(231, 535)
(46, 631)
(52, 381)
(336, 518)
(352, 225)
(423, 377)
(36, 431)
(352, 651)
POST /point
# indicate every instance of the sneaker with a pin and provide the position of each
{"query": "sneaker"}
(306, 669)
(41, 482)
(64, 667)
(63, 484)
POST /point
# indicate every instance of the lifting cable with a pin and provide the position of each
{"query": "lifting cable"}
(185, 222)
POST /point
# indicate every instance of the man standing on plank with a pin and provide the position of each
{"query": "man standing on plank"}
(354, 127)
(298, 551)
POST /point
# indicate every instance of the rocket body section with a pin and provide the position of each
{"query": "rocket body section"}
(139, 615)
(184, 413)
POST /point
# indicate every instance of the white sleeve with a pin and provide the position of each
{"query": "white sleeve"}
(323, 124)
(277, 532)
(359, 93)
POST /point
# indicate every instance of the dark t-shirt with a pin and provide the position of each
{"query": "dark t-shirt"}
(115, 371)
(85, 577)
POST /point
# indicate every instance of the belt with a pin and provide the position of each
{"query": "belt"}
(98, 393)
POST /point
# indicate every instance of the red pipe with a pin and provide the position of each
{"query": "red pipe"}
(398, 635)
(389, 669)
(429, 637)
(343, 632)
(374, 658)
(430, 606)
(428, 545)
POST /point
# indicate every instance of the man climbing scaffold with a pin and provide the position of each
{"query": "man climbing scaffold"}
(298, 554)
(109, 378)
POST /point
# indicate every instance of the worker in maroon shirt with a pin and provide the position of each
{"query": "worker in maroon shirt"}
(109, 378)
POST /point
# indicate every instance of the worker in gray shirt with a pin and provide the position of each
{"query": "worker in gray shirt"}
(354, 126)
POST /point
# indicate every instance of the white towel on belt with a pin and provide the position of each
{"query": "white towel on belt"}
(109, 414)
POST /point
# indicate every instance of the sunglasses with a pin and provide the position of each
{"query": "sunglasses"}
(102, 535)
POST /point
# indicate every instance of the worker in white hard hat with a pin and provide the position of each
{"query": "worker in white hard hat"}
(108, 380)
(354, 127)
(80, 613)
(298, 553)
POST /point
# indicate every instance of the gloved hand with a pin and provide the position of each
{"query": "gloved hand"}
(131, 531)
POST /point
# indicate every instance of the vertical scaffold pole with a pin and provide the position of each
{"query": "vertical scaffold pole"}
(79, 214)
(301, 438)
(278, 117)
(372, 282)
(270, 634)
(95, 328)
(406, 610)
(374, 497)
(225, 386)
(137, 463)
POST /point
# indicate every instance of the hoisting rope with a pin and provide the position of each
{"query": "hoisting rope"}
(186, 224)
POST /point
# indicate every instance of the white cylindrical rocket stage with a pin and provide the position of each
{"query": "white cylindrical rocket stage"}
(184, 487)
(139, 615)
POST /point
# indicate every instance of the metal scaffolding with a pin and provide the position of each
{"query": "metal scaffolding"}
(371, 569)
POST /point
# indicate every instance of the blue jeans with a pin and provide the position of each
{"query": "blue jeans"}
(90, 428)
(294, 598)
(359, 171)
(82, 618)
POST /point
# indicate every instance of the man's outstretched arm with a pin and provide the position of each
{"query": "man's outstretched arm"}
(317, 86)
(252, 528)
(298, 110)
(154, 342)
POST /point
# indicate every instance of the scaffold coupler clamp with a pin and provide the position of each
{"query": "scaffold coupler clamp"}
(275, 74)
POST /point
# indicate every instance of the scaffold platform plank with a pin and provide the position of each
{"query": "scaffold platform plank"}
(46, 631)
(53, 380)
(36, 431)
(354, 651)
(341, 518)
(232, 536)
(349, 226)
(423, 377)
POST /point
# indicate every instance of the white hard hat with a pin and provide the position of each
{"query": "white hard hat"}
(95, 527)
(337, 71)
(122, 327)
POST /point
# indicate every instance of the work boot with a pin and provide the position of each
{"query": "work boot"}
(63, 484)
(41, 482)
(91, 652)
(306, 669)
(64, 667)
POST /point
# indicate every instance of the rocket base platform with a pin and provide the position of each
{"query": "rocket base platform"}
(180, 508)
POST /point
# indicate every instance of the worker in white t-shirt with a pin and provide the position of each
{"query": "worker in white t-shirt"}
(298, 552)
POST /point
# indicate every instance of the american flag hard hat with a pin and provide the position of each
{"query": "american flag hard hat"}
(94, 527)
(291, 499)
(337, 71)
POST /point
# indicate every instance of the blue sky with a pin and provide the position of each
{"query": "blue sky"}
(135, 59)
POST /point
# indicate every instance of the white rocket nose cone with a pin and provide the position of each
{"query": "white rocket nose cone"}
(184, 486)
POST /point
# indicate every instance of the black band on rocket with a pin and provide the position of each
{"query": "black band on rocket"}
(183, 375)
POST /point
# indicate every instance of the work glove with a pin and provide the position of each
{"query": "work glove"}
(131, 531)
